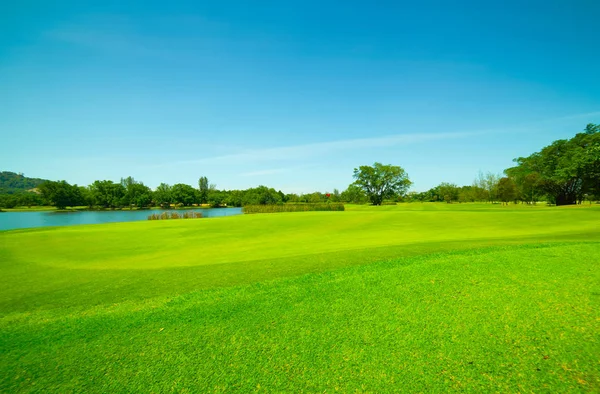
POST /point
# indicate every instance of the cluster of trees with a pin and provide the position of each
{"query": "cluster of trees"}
(502, 190)
(19, 190)
(485, 188)
(565, 172)
(13, 183)
(102, 194)
(21, 199)
(130, 193)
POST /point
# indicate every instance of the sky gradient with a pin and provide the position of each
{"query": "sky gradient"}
(292, 95)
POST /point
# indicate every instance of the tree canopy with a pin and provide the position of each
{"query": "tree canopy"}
(61, 194)
(381, 181)
(566, 170)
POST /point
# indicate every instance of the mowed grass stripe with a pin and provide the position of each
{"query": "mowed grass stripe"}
(519, 318)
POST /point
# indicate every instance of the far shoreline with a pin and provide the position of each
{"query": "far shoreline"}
(87, 209)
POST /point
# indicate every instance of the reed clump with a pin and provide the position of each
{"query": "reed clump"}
(175, 215)
(276, 208)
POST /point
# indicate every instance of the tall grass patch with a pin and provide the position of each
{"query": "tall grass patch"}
(276, 208)
(175, 215)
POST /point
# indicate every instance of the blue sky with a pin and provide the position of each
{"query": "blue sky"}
(292, 95)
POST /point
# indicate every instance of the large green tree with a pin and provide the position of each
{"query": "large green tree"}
(261, 195)
(184, 194)
(205, 189)
(448, 192)
(107, 194)
(61, 194)
(507, 190)
(136, 193)
(381, 181)
(486, 186)
(567, 170)
(162, 195)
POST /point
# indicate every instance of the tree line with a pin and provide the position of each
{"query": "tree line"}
(562, 173)
(130, 193)
(565, 172)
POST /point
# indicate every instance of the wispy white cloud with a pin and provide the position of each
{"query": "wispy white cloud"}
(112, 34)
(276, 170)
(323, 148)
(187, 37)
(575, 116)
(109, 42)
(265, 172)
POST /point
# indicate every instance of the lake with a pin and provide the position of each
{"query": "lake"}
(14, 220)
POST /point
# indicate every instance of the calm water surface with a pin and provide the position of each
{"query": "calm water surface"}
(13, 220)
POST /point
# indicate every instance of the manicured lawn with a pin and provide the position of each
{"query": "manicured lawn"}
(414, 297)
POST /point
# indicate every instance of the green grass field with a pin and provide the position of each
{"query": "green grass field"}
(413, 297)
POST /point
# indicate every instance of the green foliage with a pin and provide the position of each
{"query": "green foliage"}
(136, 193)
(528, 186)
(183, 194)
(216, 198)
(205, 189)
(335, 196)
(294, 207)
(21, 199)
(487, 186)
(9, 200)
(261, 195)
(566, 170)
(449, 192)
(592, 128)
(381, 181)
(471, 194)
(431, 195)
(162, 195)
(315, 197)
(107, 194)
(233, 198)
(61, 194)
(507, 190)
(354, 194)
(11, 183)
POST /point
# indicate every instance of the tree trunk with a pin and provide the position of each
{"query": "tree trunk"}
(566, 199)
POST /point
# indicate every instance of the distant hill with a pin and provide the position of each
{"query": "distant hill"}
(11, 183)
